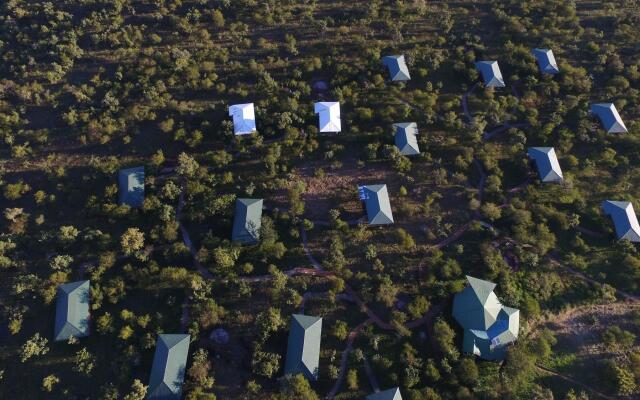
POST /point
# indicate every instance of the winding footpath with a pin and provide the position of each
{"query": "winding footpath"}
(345, 358)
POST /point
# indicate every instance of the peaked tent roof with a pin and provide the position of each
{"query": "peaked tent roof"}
(405, 137)
(169, 364)
(247, 221)
(608, 114)
(624, 219)
(131, 186)
(378, 205)
(488, 328)
(72, 311)
(546, 61)
(490, 73)
(389, 394)
(397, 68)
(244, 118)
(329, 115)
(303, 347)
(476, 307)
(547, 163)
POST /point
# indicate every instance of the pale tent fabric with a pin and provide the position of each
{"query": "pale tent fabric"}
(329, 116)
(491, 73)
(244, 119)
(624, 219)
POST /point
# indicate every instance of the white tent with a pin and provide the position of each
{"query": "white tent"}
(329, 114)
(244, 118)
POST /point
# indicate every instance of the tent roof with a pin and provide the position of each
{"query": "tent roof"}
(476, 307)
(247, 221)
(169, 364)
(547, 163)
(488, 325)
(389, 394)
(490, 73)
(624, 219)
(608, 114)
(303, 348)
(131, 186)
(329, 116)
(72, 311)
(378, 205)
(397, 68)
(405, 138)
(546, 61)
(244, 119)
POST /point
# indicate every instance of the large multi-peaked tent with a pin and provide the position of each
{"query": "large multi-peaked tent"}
(547, 163)
(624, 219)
(397, 68)
(491, 74)
(303, 347)
(405, 138)
(169, 365)
(247, 221)
(389, 394)
(488, 325)
(546, 61)
(376, 200)
(328, 116)
(244, 118)
(72, 311)
(131, 187)
(608, 114)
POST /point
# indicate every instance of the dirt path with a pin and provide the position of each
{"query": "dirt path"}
(620, 293)
(345, 358)
(373, 381)
(575, 382)
(187, 240)
(184, 318)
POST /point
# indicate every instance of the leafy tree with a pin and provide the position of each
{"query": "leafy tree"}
(444, 336)
(418, 306)
(208, 313)
(616, 337)
(200, 370)
(84, 362)
(468, 371)
(35, 346)
(138, 391)
(265, 363)
(296, 387)
(267, 322)
(49, 381)
(218, 19)
(132, 240)
(340, 330)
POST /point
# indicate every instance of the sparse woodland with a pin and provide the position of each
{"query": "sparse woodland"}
(88, 87)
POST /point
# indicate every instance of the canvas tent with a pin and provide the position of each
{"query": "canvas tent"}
(608, 114)
(546, 163)
(491, 74)
(328, 116)
(169, 365)
(405, 138)
(303, 347)
(376, 200)
(131, 187)
(244, 119)
(247, 221)
(397, 68)
(488, 325)
(624, 219)
(390, 394)
(72, 311)
(546, 61)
